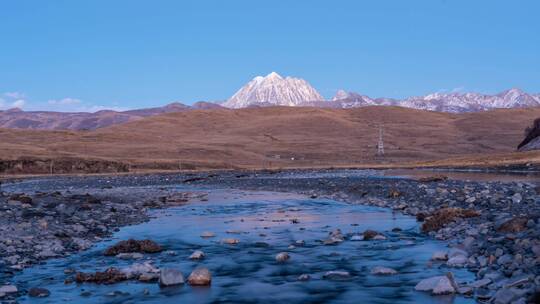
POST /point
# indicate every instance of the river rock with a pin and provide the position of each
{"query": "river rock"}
(109, 276)
(197, 255)
(457, 261)
(438, 285)
(200, 277)
(370, 234)
(357, 237)
(505, 296)
(304, 277)
(6, 289)
(135, 270)
(37, 292)
(480, 283)
(380, 270)
(443, 287)
(131, 245)
(337, 275)
(282, 257)
(439, 256)
(170, 277)
(230, 241)
(207, 234)
(130, 256)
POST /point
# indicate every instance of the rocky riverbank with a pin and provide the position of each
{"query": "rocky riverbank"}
(491, 228)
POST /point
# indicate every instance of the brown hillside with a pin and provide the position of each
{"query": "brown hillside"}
(282, 136)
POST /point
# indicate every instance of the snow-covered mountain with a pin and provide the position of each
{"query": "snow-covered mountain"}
(274, 90)
(445, 102)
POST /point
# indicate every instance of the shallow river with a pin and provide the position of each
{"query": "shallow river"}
(247, 272)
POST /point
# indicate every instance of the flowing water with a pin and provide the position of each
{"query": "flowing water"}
(247, 272)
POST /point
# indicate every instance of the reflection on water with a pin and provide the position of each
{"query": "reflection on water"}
(247, 272)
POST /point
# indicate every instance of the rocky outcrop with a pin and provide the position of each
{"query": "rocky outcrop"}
(532, 137)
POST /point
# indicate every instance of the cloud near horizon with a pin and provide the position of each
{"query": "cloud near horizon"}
(10, 100)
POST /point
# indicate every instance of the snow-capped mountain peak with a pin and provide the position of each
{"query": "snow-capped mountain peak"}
(273, 89)
(340, 95)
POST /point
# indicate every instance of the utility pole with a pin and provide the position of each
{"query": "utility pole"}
(380, 144)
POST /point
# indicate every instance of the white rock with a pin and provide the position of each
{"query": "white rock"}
(170, 277)
(137, 269)
(282, 257)
(357, 237)
(429, 283)
(337, 275)
(197, 255)
(380, 270)
(8, 289)
(457, 261)
(444, 286)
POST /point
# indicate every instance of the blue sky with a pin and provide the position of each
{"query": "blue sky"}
(88, 55)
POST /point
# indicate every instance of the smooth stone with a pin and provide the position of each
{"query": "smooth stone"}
(304, 277)
(207, 234)
(439, 256)
(457, 261)
(8, 289)
(148, 277)
(170, 277)
(200, 277)
(480, 283)
(429, 284)
(197, 255)
(443, 287)
(357, 237)
(129, 256)
(37, 292)
(379, 237)
(380, 270)
(465, 290)
(337, 275)
(135, 270)
(230, 241)
(282, 257)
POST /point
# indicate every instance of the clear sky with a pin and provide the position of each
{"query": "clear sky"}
(87, 55)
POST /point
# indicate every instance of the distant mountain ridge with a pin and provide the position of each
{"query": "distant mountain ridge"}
(272, 90)
(445, 102)
(18, 119)
(275, 90)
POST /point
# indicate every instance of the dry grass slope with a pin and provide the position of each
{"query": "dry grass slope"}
(288, 137)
